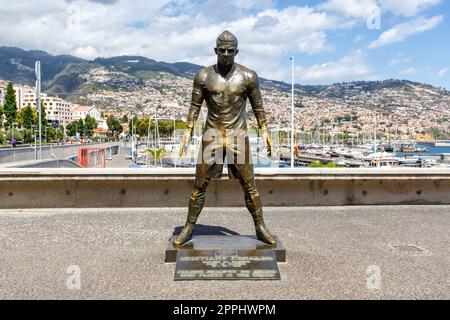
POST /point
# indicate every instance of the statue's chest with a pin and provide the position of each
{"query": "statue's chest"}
(220, 87)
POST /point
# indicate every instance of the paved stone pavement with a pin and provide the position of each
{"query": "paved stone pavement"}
(331, 252)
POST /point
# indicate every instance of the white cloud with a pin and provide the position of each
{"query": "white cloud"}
(407, 8)
(364, 9)
(349, 68)
(442, 72)
(315, 42)
(86, 52)
(410, 71)
(351, 8)
(184, 30)
(358, 38)
(415, 71)
(181, 30)
(403, 31)
(399, 58)
(254, 4)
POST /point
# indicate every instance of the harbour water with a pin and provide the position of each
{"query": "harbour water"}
(430, 151)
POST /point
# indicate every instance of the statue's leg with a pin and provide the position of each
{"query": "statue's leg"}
(196, 202)
(253, 202)
(197, 199)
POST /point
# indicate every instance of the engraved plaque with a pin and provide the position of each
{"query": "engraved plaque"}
(227, 264)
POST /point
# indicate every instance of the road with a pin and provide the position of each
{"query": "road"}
(331, 252)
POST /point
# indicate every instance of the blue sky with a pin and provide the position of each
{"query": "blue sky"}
(422, 57)
(330, 39)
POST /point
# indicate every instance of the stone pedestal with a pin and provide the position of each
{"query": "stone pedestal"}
(225, 257)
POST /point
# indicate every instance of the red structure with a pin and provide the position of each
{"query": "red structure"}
(92, 157)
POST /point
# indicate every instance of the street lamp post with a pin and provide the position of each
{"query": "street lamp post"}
(173, 139)
(292, 115)
(157, 142)
(133, 148)
(375, 133)
(174, 129)
(35, 146)
(38, 103)
(148, 133)
(13, 142)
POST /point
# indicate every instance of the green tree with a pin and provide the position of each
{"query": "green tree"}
(321, 165)
(89, 125)
(28, 117)
(10, 107)
(27, 136)
(1, 116)
(180, 124)
(75, 127)
(72, 128)
(114, 124)
(19, 117)
(44, 122)
(124, 119)
(166, 127)
(17, 135)
(25, 117)
(134, 121)
(80, 126)
(34, 116)
(52, 134)
(142, 126)
(437, 133)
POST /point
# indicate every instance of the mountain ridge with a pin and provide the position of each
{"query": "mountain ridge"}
(64, 74)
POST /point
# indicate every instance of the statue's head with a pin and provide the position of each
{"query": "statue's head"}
(226, 48)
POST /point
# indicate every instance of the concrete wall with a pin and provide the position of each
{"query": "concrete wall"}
(78, 188)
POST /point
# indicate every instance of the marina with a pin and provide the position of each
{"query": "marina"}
(368, 155)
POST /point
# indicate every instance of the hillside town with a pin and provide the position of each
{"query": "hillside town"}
(413, 112)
